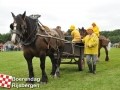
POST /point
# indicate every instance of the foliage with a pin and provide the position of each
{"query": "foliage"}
(4, 37)
(114, 36)
(106, 78)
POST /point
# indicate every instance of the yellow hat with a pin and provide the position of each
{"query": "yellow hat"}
(93, 23)
(72, 27)
(90, 28)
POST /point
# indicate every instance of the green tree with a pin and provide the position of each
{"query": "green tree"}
(5, 37)
(114, 35)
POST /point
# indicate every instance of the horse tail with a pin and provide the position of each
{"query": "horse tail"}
(109, 46)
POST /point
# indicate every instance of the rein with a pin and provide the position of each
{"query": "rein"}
(46, 36)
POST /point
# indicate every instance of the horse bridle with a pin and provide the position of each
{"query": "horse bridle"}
(15, 31)
(14, 27)
(23, 31)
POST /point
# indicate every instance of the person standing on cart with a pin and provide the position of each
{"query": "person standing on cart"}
(95, 29)
(91, 42)
(75, 34)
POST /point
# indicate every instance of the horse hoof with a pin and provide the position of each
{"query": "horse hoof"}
(30, 82)
(51, 73)
(107, 59)
(44, 80)
(57, 75)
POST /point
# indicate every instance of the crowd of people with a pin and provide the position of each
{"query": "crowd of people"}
(9, 46)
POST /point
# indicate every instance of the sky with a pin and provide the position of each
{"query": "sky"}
(81, 13)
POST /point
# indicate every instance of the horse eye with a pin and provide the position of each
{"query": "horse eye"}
(11, 26)
(21, 26)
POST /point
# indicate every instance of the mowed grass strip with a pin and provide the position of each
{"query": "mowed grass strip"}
(106, 78)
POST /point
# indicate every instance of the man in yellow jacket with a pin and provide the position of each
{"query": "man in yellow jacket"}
(75, 34)
(91, 49)
(95, 29)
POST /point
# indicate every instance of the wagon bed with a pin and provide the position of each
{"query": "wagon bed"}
(74, 52)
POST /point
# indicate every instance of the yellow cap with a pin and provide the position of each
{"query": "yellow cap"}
(93, 23)
(90, 28)
(72, 27)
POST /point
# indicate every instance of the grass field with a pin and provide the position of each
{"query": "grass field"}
(106, 78)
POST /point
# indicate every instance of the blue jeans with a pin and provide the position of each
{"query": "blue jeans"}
(91, 58)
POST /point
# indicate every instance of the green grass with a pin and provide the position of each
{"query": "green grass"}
(106, 78)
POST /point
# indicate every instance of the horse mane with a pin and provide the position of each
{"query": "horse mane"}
(31, 23)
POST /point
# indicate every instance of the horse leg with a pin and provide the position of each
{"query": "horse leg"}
(44, 78)
(99, 52)
(106, 51)
(53, 64)
(30, 68)
(58, 59)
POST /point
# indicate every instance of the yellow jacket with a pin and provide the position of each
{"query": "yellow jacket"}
(91, 44)
(96, 30)
(76, 35)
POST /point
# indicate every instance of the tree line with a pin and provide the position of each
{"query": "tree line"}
(5, 37)
(114, 36)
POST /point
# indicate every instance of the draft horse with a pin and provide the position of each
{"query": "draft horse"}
(103, 42)
(27, 31)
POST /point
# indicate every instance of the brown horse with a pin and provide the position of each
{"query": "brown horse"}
(103, 42)
(36, 43)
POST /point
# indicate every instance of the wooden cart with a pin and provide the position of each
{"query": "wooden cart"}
(73, 54)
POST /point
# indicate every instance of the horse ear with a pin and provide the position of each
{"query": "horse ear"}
(24, 15)
(13, 15)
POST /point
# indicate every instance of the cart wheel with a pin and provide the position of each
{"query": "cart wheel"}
(80, 65)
